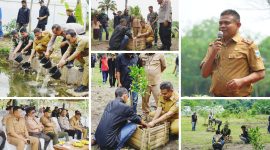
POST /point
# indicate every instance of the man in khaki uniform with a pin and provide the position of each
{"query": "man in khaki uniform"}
(10, 114)
(40, 43)
(50, 127)
(154, 64)
(167, 108)
(76, 125)
(233, 62)
(17, 133)
(146, 32)
(80, 46)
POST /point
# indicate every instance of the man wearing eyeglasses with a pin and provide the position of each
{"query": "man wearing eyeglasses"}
(78, 49)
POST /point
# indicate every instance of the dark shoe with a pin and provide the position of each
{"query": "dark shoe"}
(81, 88)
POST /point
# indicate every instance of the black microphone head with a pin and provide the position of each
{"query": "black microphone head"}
(220, 34)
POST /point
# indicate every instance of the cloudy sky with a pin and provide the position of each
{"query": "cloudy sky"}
(255, 14)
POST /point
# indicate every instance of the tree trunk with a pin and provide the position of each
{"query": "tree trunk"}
(30, 19)
(48, 3)
(126, 4)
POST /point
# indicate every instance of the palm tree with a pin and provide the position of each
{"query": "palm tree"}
(108, 5)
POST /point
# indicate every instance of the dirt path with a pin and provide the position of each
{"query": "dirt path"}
(101, 95)
(104, 45)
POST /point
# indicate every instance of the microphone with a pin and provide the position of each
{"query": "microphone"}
(220, 35)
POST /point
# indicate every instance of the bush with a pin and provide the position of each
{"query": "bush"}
(256, 138)
(10, 26)
(139, 81)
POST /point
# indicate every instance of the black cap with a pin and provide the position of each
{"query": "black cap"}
(41, 1)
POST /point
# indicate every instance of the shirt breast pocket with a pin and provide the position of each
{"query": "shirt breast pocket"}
(236, 59)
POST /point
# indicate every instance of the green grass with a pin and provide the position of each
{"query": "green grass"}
(166, 76)
(203, 139)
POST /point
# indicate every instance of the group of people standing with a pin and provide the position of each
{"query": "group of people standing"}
(127, 27)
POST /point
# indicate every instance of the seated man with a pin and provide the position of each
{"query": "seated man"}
(244, 136)
(146, 32)
(75, 124)
(26, 42)
(120, 36)
(35, 128)
(50, 127)
(226, 132)
(41, 41)
(64, 123)
(17, 133)
(79, 46)
(10, 114)
(167, 109)
(118, 122)
(61, 31)
(218, 141)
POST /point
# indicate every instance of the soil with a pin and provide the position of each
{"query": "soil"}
(104, 45)
(101, 96)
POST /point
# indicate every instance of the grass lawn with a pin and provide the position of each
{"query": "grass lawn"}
(202, 139)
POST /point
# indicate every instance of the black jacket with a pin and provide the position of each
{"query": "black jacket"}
(71, 19)
(43, 11)
(118, 35)
(23, 16)
(114, 118)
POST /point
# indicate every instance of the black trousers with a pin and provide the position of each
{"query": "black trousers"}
(165, 35)
(112, 78)
(41, 26)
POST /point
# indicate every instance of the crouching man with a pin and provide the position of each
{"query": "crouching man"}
(167, 109)
(118, 122)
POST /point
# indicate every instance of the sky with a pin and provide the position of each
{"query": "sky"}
(143, 4)
(255, 14)
(10, 10)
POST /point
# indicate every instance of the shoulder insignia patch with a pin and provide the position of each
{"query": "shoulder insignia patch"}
(249, 42)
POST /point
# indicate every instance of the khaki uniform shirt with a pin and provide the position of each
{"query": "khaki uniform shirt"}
(81, 45)
(170, 105)
(5, 118)
(41, 44)
(238, 59)
(152, 66)
(147, 29)
(74, 123)
(16, 126)
(45, 121)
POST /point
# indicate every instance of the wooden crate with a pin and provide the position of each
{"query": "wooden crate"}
(136, 44)
(151, 138)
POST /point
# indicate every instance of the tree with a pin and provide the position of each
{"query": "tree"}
(135, 12)
(108, 5)
(194, 47)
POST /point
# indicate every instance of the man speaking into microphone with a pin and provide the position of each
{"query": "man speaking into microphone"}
(233, 62)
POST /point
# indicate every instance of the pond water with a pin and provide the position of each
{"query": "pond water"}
(15, 82)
